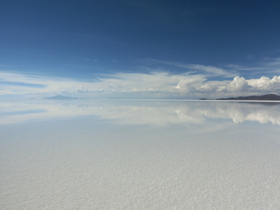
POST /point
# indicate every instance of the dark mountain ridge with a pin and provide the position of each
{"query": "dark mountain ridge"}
(267, 97)
(60, 97)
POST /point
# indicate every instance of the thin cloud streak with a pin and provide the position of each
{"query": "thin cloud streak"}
(211, 71)
(266, 66)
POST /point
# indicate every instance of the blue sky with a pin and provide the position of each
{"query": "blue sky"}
(139, 49)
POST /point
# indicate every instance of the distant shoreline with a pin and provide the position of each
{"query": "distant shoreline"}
(267, 97)
(60, 97)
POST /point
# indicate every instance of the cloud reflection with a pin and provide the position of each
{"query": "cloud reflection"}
(140, 111)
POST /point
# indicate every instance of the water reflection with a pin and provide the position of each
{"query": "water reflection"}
(140, 111)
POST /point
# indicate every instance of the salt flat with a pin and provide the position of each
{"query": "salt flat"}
(139, 155)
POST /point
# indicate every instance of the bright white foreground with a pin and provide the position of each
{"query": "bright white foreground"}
(85, 163)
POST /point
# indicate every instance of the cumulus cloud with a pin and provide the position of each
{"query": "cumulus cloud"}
(237, 85)
(265, 83)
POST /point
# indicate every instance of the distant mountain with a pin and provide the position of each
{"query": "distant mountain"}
(60, 97)
(268, 97)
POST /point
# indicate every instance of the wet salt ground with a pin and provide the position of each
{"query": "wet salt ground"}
(88, 163)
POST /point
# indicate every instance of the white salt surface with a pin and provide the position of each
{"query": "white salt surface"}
(87, 163)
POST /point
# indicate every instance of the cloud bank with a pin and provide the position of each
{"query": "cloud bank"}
(137, 85)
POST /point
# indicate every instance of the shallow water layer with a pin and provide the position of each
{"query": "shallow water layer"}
(137, 154)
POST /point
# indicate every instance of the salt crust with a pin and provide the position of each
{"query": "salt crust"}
(86, 163)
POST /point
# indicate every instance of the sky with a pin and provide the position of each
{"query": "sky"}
(139, 49)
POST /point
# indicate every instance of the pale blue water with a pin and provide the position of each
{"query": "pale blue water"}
(137, 154)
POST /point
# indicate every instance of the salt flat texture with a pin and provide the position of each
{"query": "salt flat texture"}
(97, 162)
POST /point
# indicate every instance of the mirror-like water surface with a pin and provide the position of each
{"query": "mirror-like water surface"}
(137, 154)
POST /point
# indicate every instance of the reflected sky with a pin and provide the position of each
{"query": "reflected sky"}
(139, 154)
(154, 112)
